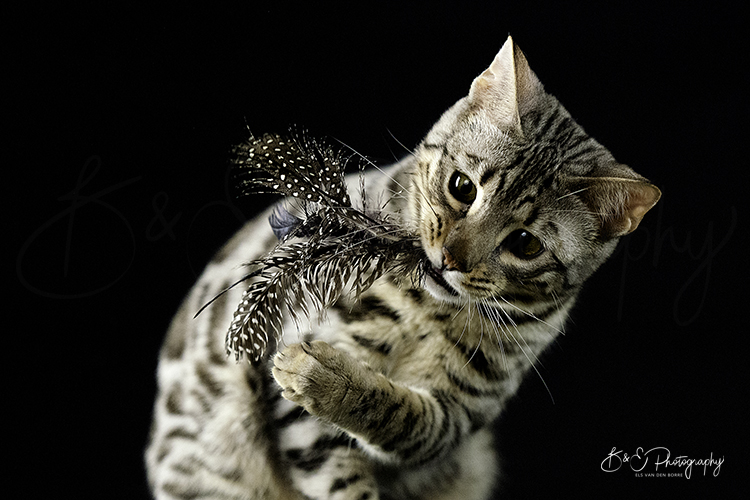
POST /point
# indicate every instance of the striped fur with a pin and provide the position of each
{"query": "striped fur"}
(393, 396)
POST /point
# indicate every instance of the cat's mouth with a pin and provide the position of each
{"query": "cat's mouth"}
(436, 276)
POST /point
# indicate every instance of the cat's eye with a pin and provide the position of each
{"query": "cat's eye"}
(523, 244)
(461, 188)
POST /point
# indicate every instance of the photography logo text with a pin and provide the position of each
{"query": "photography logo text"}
(659, 462)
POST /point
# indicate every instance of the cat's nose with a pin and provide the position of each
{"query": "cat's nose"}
(450, 263)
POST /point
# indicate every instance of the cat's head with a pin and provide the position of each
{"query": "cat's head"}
(511, 199)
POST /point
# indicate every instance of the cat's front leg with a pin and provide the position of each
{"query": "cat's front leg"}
(393, 422)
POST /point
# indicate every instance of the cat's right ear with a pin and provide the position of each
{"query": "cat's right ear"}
(507, 88)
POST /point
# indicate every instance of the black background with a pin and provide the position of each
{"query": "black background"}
(122, 119)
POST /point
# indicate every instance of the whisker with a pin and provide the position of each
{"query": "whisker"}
(571, 194)
(466, 323)
(527, 313)
(558, 306)
(461, 308)
(503, 329)
(532, 363)
(515, 327)
(491, 314)
(371, 163)
(390, 177)
(494, 320)
(418, 189)
(411, 152)
(394, 195)
(481, 336)
(582, 212)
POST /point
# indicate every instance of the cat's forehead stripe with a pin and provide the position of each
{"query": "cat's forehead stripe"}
(488, 175)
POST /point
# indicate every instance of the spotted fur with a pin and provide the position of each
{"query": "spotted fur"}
(394, 395)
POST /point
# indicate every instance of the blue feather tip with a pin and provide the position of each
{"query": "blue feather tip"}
(282, 222)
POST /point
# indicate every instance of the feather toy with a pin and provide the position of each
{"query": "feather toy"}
(326, 248)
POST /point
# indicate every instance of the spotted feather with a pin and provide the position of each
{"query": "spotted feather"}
(337, 247)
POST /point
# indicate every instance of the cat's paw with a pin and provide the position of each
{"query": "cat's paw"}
(316, 376)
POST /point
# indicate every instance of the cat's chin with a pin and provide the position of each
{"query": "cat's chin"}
(434, 282)
(442, 295)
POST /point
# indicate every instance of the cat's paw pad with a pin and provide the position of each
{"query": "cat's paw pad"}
(313, 375)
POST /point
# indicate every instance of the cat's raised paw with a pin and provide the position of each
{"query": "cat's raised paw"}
(314, 375)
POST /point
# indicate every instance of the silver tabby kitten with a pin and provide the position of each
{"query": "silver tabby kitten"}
(394, 395)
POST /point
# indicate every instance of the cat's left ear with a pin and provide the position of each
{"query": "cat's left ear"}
(620, 203)
(507, 89)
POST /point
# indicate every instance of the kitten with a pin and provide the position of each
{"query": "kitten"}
(395, 394)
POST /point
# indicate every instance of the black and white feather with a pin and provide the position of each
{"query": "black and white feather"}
(327, 247)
